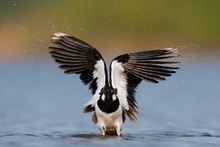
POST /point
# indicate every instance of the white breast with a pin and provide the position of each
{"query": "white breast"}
(109, 122)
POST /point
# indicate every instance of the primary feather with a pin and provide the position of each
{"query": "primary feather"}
(129, 70)
(78, 57)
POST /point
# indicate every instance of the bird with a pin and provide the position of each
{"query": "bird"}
(113, 97)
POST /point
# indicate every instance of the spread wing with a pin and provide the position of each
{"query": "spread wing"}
(78, 57)
(128, 70)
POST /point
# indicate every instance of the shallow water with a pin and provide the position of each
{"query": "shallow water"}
(92, 139)
(41, 106)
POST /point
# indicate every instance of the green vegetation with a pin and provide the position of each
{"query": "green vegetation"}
(111, 23)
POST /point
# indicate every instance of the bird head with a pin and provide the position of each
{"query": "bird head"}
(108, 94)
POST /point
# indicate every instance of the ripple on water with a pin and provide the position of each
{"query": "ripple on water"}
(142, 136)
(87, 138)
(135, 136)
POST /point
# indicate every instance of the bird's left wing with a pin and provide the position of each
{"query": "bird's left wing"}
(78, 57)
(128, 70)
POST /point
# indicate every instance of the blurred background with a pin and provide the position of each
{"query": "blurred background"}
(111, 26)
(36, 98)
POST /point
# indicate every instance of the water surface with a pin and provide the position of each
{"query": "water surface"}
(41, 106)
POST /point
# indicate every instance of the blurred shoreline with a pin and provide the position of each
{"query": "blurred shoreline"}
(113, 28)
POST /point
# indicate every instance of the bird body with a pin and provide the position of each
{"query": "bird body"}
(109, 123)
(113, 99)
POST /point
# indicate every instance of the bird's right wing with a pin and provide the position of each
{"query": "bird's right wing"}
(78, 57)
(128, 70)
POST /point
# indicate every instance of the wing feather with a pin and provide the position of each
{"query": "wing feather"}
(128, 70)
(75, 56)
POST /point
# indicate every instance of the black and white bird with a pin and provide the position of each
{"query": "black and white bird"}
(114, 98)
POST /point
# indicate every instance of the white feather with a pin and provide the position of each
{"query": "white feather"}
(58, 35)
(98, 73)
(119, 81)
(111, 121)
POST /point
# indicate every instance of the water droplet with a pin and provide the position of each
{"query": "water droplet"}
(14, 4)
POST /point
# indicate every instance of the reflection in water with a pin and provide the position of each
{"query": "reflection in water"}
(92, 136)
(145, 135)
